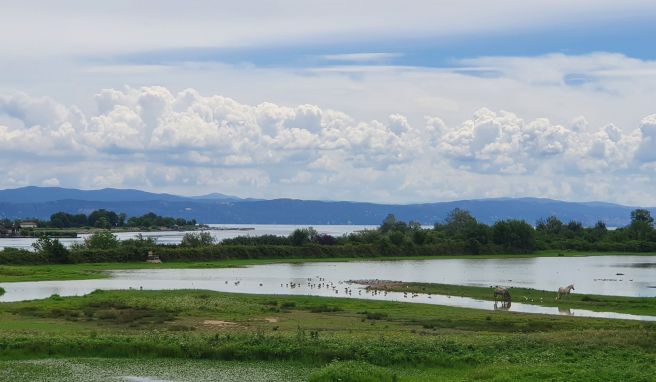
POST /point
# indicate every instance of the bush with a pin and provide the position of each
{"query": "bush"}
(17, 256)
(353, 371)
(53, 249)
(102, 240)
(302, 236)
(257, 240)
(197, 239)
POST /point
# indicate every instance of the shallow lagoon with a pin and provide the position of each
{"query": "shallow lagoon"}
(604, 275)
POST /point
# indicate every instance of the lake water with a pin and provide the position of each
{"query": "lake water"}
(606, 275)
(222, 231)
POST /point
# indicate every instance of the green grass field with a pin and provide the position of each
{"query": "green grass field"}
(161, 333)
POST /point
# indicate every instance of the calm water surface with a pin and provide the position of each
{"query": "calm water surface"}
(606, 275)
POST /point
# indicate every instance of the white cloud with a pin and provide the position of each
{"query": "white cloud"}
(51, 182)
(153, 138)
(361, 57)
(647, 149)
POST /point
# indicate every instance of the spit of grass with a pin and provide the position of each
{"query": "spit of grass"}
(83, 271)
(600, 303)
(414, 342)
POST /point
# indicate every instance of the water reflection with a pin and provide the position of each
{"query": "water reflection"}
(503, 305)
(564, 311)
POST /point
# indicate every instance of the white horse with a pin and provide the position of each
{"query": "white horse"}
(503, 292)
(564, 291)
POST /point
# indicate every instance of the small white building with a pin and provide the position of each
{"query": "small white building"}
(28, 224)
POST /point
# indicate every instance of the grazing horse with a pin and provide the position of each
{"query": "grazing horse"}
(503, 292)
(564, 291)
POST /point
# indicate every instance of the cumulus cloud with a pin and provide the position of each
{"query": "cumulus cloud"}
(647, 149)
(150, 137)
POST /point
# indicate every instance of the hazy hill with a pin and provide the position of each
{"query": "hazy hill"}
(41, 202)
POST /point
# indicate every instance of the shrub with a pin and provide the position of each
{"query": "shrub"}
(52, 249)
(197, 239)
(102, 240)
(353, 371)
(302, 236)
(20, 256)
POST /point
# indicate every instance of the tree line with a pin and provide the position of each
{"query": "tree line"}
(459, 233)
(101, 218)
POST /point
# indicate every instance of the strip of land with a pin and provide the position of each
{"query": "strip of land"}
(599, 303)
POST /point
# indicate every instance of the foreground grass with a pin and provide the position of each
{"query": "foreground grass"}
(100, 370)
(302, 335)
(125, 369)
(18, 273)
(599, 303)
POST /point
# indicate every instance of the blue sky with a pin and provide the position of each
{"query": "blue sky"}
(631, 37)
(355, 100)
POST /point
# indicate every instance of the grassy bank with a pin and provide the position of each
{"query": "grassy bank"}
(600, 303)
(81, 271)
(415, 341)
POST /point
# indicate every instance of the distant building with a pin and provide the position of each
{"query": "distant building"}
(28, 224)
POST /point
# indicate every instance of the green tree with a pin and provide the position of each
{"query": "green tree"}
(396, 237)
(103, 222)
(514, 235)
(52, 248)
(642, 224)
(109, 219)
(642, 216)
(551, 227)
(458, 220)
(302, 236)
(392, 224)
(599, 231)
(102, 240)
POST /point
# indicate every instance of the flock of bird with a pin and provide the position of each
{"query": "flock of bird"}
(320, 283)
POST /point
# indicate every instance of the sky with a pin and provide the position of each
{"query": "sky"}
(378, 101)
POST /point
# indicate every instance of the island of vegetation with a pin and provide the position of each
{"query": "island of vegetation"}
(62, 224)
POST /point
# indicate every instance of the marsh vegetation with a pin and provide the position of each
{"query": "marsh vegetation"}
(410, 342)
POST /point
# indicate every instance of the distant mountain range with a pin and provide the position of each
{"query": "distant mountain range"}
(41, 202)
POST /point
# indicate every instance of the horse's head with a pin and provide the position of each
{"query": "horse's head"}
(571, 286)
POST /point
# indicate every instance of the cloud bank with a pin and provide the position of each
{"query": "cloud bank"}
(153, 138)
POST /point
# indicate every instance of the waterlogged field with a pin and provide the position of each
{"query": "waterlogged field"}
(164, 335)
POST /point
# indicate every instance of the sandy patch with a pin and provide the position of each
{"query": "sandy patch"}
(218, 323)
(271, 319)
